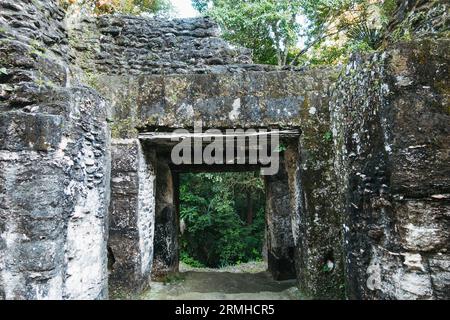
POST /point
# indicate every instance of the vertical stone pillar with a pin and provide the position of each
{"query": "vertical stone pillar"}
(54, 194)
(132, 213)
(87, 189)
(166, 255)
(317, 225)
(54, 163)
(279, 238)
(32, 218)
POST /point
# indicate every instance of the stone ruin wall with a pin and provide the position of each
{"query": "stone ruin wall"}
(131, 216)
(54, 163)
(390, 122)
(391, 128)
(372, 200)
(189, 83)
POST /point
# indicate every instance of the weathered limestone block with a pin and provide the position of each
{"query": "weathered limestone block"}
(423, 225)
(87, 190)
(390, 126)
(54, 200)
(419, 18)
(380, 215)
(166, 222)
(120, 44)
(440, 275)
(54, 163)
(32, 241)
(279, 239)
(243, 100)
(131, 216)
(316, 216)
(418, 79)
(408, 279)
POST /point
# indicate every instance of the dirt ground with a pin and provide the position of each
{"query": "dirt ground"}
(248, 281)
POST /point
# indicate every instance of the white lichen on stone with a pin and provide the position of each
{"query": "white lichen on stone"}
(235, 112)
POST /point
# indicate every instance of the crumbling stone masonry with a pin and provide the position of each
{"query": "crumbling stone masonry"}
(279, 238)
(166, 222)
(131, 215)
(358, 210)
(54, 151)
(391, 132)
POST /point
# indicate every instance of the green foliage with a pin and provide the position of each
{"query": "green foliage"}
(338, 28)
(330, 30)
(363, 33)
(200, 5)
(280, 148)
(328, 136)
(214, 208)
(326, 55)
(388, 8)
(268, 27)
(184, 257)
(133, 7)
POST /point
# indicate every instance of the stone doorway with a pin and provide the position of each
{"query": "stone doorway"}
(144, 213)
(279, 242)
(278, 238)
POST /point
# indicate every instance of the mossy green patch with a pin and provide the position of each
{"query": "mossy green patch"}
(124, 128)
